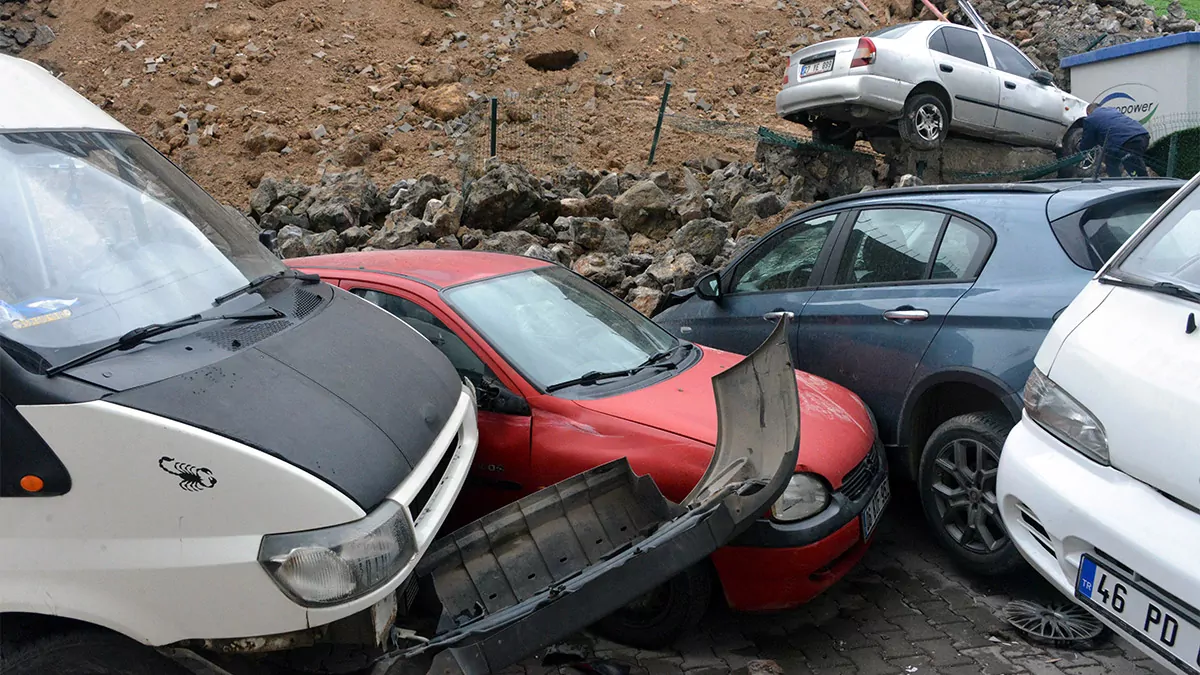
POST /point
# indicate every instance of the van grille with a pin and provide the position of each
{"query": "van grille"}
(422, 499)
(858, 481)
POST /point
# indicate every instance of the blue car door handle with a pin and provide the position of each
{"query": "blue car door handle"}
(906, 314)
(777, 314)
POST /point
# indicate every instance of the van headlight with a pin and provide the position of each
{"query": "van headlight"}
(1065, 418)
(337, 564)
(804, 496)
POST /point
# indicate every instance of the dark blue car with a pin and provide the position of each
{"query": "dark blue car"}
(930, 304)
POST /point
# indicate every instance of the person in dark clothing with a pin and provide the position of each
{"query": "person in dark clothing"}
(1124, 140)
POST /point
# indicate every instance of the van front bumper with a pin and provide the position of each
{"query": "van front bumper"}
(1058, 505)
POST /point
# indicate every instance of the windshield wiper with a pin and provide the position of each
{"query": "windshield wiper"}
(139, 335)
(594, 376)
(1164, 287)
(264, 280)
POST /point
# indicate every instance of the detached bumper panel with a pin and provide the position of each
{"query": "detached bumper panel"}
(561, 559)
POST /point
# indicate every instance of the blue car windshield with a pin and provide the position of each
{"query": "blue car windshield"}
(102, 234)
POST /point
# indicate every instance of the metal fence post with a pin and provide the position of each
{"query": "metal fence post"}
(1172, 154)
(493, 126)
(662, 110)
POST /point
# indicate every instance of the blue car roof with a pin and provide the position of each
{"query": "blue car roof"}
(1063, 196)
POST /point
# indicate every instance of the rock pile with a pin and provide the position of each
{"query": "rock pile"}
(640, 235)
(1050, 30)
(23, 25)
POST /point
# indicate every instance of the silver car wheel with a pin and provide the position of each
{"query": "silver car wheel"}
(928, 122)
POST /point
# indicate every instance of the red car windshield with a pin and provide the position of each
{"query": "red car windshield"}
(554, 326)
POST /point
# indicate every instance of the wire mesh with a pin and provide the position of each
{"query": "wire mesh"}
(535, 129)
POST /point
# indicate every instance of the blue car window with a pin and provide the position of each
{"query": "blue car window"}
(424, 322)
(962, 249)
(786, 261)
(889, 246)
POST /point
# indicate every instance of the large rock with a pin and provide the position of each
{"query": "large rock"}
(596, 206)
(754, 207)
(415, 197)
(677, 271)
(357, 236)
(290, 241)
(608, 185)
(516, 242)
(704, 239)
(342, 200)
(264, 138)
(690, 206)
(644, 208)
(444, 215)
(111, 20)
(645, 300)
(593, 234)
(272, 191)
(323, 243)
(445, 102)
(602, 268)
(399, 230)
(439, 74)
(502, 198)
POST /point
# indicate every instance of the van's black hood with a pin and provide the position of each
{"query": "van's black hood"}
(338, 388)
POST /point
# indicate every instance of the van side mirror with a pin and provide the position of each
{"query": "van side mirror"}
(709, 286)
(1042, 77)
(267, 238)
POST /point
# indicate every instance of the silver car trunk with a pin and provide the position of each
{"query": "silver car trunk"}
(841, 50)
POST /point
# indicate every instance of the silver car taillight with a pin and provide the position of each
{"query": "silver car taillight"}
(864, 54)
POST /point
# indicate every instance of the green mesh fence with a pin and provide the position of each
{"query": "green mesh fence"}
(534, 128)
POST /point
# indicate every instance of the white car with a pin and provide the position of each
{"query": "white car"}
(927, 78)
(1099, 484)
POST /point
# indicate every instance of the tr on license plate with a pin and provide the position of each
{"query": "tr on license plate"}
(816, 68)
(1168, 627)
(870, 515)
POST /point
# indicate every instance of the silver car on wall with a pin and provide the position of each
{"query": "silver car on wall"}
(926, 79)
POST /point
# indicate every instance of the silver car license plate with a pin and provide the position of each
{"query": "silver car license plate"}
(871, 514)
(1169, 628)
(816, 68)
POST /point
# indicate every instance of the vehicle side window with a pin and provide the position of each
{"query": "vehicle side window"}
(424, 322)
(961, 251)
(889, 246)
(937, 42)
(964, 44)
(787, 261)
(1009, 59)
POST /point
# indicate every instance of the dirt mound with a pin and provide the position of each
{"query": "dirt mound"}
(233, 89)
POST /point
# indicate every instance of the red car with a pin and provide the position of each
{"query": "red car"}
(570, 377)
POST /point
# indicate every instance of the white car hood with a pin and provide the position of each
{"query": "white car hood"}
(1125, 355)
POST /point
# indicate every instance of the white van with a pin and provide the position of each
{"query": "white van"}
(1099, 485)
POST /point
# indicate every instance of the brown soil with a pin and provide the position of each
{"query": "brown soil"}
(354, 65)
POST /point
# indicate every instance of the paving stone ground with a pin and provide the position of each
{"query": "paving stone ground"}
(905, 610)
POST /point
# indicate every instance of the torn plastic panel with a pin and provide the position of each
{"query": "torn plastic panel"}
(558, 560)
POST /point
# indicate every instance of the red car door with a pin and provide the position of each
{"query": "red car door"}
(501, 472)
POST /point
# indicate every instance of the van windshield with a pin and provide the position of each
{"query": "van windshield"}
(102, 234)
(1171, 251)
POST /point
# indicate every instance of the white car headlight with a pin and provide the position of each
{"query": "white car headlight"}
(1065, 418)
(336, 564)
(804, 496)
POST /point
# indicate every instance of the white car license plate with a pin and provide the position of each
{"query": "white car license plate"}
(870, 515)
(816, 68)
(1168, 627)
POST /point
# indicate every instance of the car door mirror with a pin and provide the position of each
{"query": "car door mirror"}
(1042, 77)
(709, 286)
(495, 397)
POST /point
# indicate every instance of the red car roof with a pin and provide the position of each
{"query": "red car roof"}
(435, 267)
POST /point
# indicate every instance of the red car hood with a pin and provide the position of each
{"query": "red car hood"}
(835, 428)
